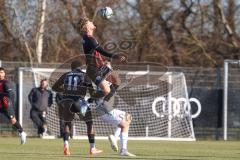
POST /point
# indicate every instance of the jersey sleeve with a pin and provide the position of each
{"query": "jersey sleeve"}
(96, 46)
(92, 42)
(8, 90)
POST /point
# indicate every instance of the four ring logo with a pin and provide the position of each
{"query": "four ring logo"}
(180, 107)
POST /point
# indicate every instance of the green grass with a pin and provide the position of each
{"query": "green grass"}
(38, 149)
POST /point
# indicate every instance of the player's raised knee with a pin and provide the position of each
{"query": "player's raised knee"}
(128, 117)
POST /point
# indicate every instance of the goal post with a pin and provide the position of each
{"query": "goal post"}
(227, 75)
(158, 102)
(25, 86)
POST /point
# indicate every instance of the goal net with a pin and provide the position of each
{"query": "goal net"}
(158, 102)
(231, 110)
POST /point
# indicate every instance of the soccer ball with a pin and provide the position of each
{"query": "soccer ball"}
(106, 12)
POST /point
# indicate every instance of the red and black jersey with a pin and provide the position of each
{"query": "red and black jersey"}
(93, 52)
(6, 93)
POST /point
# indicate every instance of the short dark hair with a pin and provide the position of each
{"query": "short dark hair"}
(2, 69)
(76, 64)
(44, 79)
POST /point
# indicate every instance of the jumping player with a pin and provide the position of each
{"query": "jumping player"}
(98, 69)
(74, 85)
(101, 73)
(6, 104)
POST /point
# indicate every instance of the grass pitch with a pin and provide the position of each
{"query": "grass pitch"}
(39, 149)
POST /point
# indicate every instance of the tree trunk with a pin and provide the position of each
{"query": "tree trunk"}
(226, 25)
(40, 34)
(231, 11)
(216, 22)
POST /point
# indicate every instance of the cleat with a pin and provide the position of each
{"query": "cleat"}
(124, 152)
(44, 134)
(94, 151)
(113, 141)
(23, 137)
(66, 150)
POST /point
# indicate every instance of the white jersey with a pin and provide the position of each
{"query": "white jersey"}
(114, 117)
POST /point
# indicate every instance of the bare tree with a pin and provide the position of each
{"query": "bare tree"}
(40, 32)
(168, 32)
(11, 43)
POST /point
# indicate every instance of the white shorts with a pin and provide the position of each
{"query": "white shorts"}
(114, 117)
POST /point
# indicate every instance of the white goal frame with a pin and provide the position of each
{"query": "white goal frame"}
(227, 62)
(169, 138)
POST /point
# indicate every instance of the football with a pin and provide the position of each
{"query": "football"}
(106, 12)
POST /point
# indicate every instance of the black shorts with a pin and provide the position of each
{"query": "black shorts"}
(66, 114)
(7, 110)
(97, 75)
(88, 116)
(104, 73)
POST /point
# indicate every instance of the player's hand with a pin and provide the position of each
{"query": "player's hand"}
(122, 58)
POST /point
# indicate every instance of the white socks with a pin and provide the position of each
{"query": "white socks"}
(66, 143)
(117, 132)
(123, 140)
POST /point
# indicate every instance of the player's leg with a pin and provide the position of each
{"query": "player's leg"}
(66, 135)
(98, 76)
(91, 133)
(22, 134)
(124, 125)
(66, 116)
(64, 107)
(61, 126)
(122, 120)
(35, 116)
(43, 117)
(117, 132)
(114, 79)
(113, 117)
(9, 112)
(114, 138)
(104, 85)
(115, 82)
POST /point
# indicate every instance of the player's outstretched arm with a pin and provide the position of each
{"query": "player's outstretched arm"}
(110, 55)
(97, 47)
(8, 90)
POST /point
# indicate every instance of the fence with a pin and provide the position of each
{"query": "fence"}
(206, 84)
